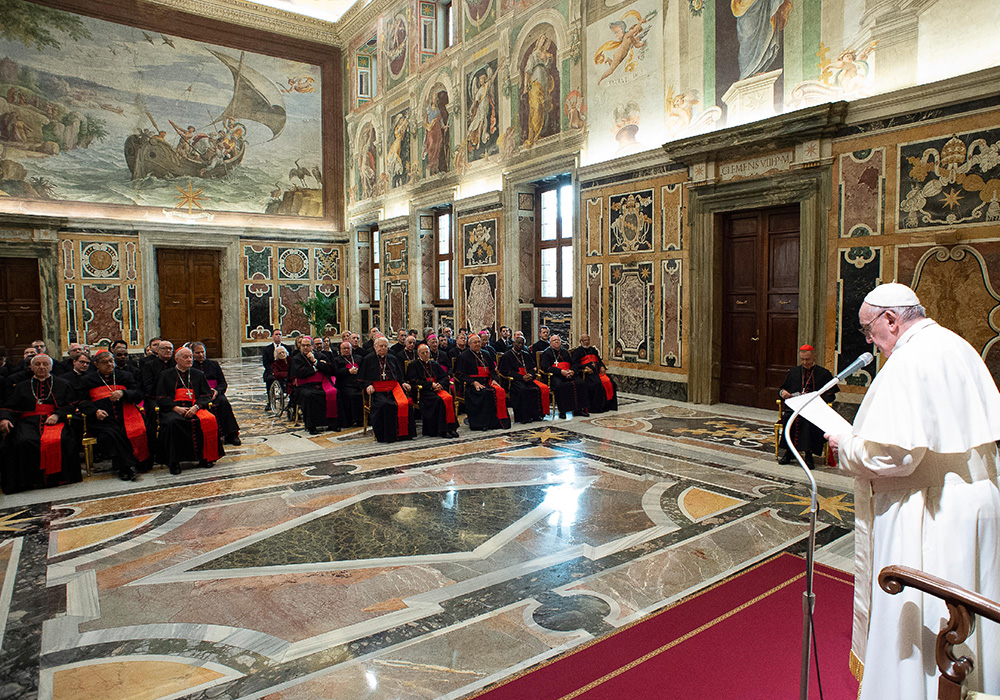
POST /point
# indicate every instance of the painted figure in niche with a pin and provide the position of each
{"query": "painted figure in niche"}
(483, 126)
(398, 156)
(626, 127)
(436, 136)
(759, 24)
(628, 40)
(368, 162)
(576, 110)
(851, 71)
(539, 108)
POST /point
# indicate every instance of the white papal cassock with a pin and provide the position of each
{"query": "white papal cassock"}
(927, 496)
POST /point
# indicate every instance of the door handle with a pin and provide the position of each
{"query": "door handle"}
(755, 338)
(741, 302)
(784, 301)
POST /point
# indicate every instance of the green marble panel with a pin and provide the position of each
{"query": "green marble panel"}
(392, 525)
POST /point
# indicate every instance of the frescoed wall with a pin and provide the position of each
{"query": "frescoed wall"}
(107, 114)
(479, 271)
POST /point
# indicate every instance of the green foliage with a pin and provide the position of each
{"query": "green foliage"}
(320, 310)
(34, 25)
(28, 78)
(93, 128)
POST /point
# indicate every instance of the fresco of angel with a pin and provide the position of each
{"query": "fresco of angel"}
(627, 42)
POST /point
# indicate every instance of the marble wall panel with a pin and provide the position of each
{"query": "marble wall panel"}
(291, 316)
(860, 271)
(480, 301)
(559, 322)
(479, 243)
(957, 287)
(364, 275)
(862, 193)
(258, 262)
(671, 291)
(132, 315)
(71, 313)
(395, 255)
(671, 217)
(102, 313)
(397, 304)
(258, 299)
(99, 260)
(428, 319)
(528, 324)
(595, 304)
(293, 263)
(428, 272)
(631, 303)
(631, 222)
(593, 221)
(327, 261)
(526, 259)
(952, 180)
(68, 253)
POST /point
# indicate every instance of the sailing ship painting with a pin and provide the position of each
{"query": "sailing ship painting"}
(216, 154)
(104, 113)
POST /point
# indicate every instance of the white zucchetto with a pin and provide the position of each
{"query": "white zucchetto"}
(892, 294)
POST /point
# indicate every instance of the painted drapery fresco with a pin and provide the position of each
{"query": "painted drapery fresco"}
(539, 98)
(97, 112)
(483, 116)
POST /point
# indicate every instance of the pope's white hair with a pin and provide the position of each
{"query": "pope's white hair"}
(905, 314)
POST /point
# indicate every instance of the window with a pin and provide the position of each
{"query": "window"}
(367, 75)
(445, 25)
(555, 243)
(437, 27)
(444, 256)
(376, 272)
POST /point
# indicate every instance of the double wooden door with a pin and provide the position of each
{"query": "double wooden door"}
(20, 304)
(760, 297)
(190, 297)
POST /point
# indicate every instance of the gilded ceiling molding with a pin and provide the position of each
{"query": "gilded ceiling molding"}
(361, 15)
(255, 16)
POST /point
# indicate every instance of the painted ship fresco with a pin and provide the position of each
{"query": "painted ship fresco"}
(211, 153)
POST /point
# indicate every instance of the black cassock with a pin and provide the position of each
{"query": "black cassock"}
(525, 397)
(22, 465)
(113, 433)
(183, 438)
(805, 436)
(486, 407)
(389, 405)
(348, 389)
(571, 394)
(150, 369)
(220, 408)
(434, 413)
(310, 395)
(599, 390)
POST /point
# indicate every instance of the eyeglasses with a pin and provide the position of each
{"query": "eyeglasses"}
(866, 328)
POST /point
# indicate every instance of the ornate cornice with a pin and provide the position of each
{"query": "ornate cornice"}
(256, 16)
(360, 15)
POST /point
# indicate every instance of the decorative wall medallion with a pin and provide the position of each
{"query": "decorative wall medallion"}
(99, 260)
(293, 263)
(480, 301)
(951, 181)
(327, 263)
(480, 243)
(632, 222)
(862, 193)
(670, 314)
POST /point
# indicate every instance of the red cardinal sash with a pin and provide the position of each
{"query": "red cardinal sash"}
(208, 424)
(542, 387)
(449, 405)
(402, 404)
(501, 402)
(329, 389)
(51, 448)
(562, 365)
(609, 390)
(135, 427)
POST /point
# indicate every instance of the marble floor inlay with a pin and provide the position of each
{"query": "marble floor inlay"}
(343, 568)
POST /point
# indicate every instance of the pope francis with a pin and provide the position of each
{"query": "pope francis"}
(924, 458)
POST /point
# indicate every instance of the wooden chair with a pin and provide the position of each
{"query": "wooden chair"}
(88, 442)
(547, 378)
(779, 432)
(963, 606)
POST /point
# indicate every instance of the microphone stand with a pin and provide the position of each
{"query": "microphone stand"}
(808, 597)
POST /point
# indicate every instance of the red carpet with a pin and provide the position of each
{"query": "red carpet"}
(741, 640)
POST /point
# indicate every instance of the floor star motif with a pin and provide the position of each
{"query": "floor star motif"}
(830, 504)
(546, 435)
(7, 522)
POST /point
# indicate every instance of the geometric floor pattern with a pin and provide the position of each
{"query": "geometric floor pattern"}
(335, 567)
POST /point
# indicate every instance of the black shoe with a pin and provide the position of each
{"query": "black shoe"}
(127, 474)
(314, 431)
(267, 408)
(204, 463)
(175, 468)
(786, 457)
(562, 415)
(808, 458)
(235, 440)
(585, 414)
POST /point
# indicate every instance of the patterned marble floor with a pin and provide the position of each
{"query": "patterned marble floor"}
(334, 567)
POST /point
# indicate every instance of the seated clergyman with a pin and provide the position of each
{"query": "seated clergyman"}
(528, 397)
(587, 361)
(188, 431)
(111, 403)
(437, 405)
(806, 377)
(221, 408)
(391, 415)
(485, 399)
(572, 395)
(39, 447)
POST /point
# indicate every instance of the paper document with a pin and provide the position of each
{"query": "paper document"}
(820, 415)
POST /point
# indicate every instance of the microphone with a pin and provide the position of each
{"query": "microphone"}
(863, 360)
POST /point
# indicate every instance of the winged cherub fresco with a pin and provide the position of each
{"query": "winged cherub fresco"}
(628, 40)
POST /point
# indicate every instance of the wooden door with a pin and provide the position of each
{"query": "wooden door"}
(760, 304)
(20, 304)
(190, 297)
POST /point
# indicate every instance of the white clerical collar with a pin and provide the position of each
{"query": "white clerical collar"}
(912, 331)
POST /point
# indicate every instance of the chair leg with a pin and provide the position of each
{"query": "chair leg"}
(88, 454)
